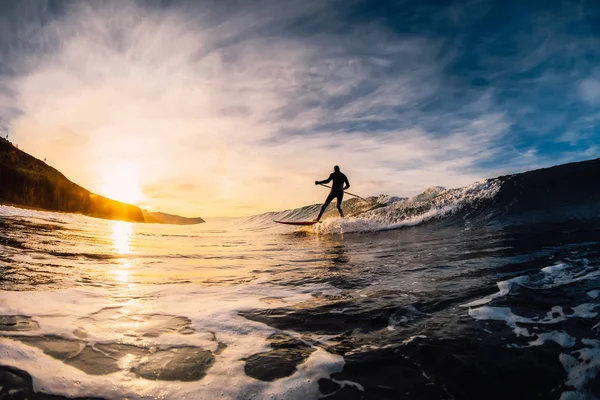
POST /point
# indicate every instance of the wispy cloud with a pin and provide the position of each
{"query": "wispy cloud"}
(589, 88)
(242, 109)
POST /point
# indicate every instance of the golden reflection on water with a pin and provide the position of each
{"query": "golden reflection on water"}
(122, 271)
(121, 235)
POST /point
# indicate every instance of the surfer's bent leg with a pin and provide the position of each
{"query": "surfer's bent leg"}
(339, 204)
(327, 201)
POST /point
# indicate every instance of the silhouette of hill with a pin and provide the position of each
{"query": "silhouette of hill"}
(27, 181)
(164, 218)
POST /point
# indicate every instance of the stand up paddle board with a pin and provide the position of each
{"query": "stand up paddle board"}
(296, 222)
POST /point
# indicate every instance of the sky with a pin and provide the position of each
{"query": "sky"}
(229, 108)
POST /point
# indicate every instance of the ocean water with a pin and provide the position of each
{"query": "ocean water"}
(488, 291)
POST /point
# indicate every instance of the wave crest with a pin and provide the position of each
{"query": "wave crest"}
(432, 204)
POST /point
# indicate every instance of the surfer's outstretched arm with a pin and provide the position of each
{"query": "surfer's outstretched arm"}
(325, 181)
(346, 183)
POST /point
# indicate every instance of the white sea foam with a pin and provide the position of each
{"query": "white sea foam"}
(501, 314)
(581, 365)
(548, 277)
(350, 383)
(504, 288)
(560, 337)
(212, 311)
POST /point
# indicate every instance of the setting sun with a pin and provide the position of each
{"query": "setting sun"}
(122, 183)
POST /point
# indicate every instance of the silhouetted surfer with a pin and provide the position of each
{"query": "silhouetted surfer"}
(340, 183)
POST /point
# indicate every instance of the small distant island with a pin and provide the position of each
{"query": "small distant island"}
(164, 218)
(26, 181)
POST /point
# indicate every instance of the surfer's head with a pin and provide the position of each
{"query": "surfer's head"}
(336, 168)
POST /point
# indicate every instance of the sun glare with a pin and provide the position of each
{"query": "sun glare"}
(121, 236)
(122, 183)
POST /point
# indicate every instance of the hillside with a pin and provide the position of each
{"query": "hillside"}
(27, 181)
(164, 218)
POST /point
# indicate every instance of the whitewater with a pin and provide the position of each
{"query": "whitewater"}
(487, 291)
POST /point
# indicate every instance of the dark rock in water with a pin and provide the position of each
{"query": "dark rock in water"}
(176, 364)
(17, 323)
(18, 385)
(280, 362)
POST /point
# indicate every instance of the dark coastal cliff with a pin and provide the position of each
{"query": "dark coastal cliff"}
(29, 182)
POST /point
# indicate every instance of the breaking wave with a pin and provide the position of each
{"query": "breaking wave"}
(551, 195)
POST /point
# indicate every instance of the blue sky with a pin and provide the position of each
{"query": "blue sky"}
(235, 107)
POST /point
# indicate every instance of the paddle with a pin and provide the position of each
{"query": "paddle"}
(351, 194)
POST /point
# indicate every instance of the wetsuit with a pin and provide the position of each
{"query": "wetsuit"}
(337, 191)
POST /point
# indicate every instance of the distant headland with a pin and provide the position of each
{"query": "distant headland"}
(26, 181)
